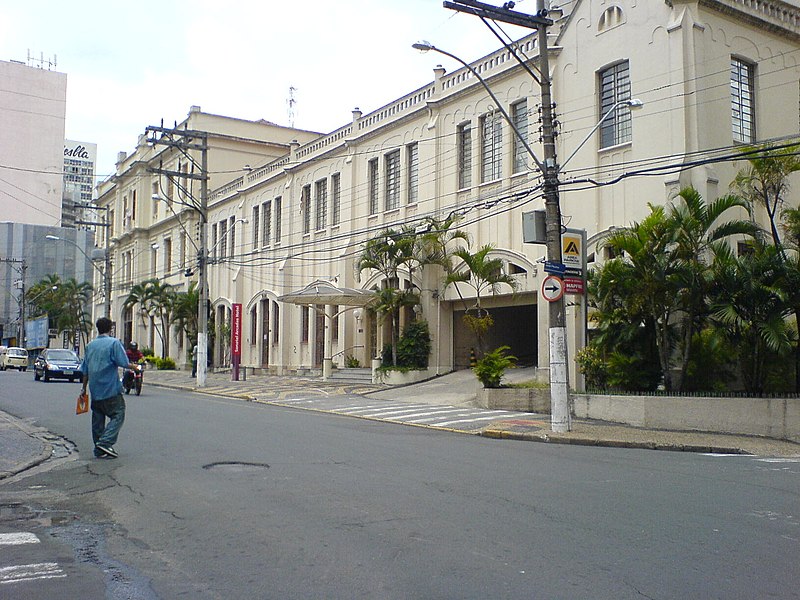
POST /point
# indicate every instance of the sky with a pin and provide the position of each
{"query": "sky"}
(132, 64)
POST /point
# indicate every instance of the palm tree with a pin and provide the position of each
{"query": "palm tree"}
(484, 275)
(647, 266)
(749, 305)
(184, 311)
(386, 253)
(766, 181)
(388, 303)
(697, 228)
(155, 300)
(74, 297)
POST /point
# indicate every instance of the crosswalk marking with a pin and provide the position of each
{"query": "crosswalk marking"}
(17, 539)
(31, 572)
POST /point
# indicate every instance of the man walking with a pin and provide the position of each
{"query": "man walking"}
(103, 357)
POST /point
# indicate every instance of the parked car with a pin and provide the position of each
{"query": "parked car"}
(14, 358)
(55, 363)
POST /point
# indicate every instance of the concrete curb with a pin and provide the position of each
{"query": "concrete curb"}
(44, 454)
(550, 437)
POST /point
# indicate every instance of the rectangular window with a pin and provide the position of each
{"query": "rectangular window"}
(305, 206)
(256, 222)
(253, 325)
(277, 220)
(742, 101)
(392, 178)
(304, 325)
(223, 239)
(336, 198)
(412, 171)
(491, 147)
(321, 203)
(214, 240)
(183, 250)
(155, 200)
(519, 115)
(335, 324)
(266, 218)
(372, 183)
(232, 249)
(276, 319)
(464, 141)
(167, 256)
(615, 87)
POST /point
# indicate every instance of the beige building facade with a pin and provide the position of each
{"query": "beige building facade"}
(711, 76)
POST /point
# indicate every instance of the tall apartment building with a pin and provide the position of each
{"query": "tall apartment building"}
(80, 159)
(32, 115)
(711, 76)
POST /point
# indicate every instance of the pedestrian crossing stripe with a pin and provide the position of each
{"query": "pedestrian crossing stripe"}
(18, 539)
(20, 573)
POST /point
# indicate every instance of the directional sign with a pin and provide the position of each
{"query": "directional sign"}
(552, 288)
(573, 285)
(554, 267)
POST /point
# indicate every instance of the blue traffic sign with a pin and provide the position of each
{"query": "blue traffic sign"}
(554, 267)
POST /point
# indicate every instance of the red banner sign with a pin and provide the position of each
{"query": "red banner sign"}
(573, 285)
(236, 330)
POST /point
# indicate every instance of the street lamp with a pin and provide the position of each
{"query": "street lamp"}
(105, 272)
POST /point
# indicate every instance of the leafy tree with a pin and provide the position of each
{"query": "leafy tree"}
(387, 304)
(698, 226)
(749, 306)
(765, 181)
(648, 272)
(155, 300)
(184, 311)
(484, 275)
(65, 302)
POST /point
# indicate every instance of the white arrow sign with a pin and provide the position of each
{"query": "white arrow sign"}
(552, 288)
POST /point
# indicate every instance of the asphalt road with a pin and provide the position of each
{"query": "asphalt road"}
(219, 498)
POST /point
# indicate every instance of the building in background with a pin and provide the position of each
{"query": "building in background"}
(27, 257)
(33, 104)
(80, 159)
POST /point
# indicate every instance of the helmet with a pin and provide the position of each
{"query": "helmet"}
(134, 346)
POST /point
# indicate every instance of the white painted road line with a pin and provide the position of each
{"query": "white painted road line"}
(30, 573)
(491, 418)
(17, 539)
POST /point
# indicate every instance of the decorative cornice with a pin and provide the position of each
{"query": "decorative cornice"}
(775, 16)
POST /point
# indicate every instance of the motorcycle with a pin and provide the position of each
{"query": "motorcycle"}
(132, 380)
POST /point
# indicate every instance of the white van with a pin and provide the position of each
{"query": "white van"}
(13, 358)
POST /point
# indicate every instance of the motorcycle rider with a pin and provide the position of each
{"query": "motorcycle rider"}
(135, 356)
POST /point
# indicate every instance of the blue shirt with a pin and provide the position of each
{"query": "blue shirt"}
(103, 357)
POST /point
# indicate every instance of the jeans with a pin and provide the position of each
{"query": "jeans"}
(114, 410)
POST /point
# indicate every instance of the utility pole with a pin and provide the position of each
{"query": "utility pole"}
(107, 258)
(185, 140)
(21, 270)
(559, 383)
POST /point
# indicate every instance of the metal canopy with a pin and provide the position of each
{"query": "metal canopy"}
(325, 292)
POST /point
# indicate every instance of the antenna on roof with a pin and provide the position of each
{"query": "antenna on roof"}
(290, 105)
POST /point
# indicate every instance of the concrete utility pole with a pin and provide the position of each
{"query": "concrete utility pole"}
(559, 383)
(106, 259)
(21, 270)
(185, 140)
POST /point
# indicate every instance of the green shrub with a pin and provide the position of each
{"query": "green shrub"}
(147, 352)
(493, 365)
(166, 364)
(593, 367)
(150, 359)
(351, 362)
(414, 346)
